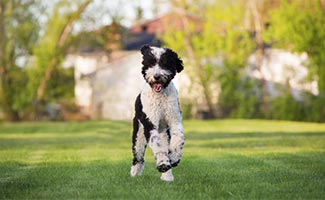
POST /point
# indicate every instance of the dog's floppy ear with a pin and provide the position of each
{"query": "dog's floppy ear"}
(177, 61)
(172, 58)
(144, 49)
(179, 64)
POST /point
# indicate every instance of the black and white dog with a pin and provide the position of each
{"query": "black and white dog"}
(158, 118)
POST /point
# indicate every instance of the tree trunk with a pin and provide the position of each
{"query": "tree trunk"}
(60, 50)
(198, 67)
(258, 26)
(5, 64)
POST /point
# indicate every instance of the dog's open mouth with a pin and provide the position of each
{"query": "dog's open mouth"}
(157, 87)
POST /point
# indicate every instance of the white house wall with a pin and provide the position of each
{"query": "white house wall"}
(115, 87)
(282, 67)
(84, 64)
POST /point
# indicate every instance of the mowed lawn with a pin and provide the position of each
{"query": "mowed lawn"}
(222, 159)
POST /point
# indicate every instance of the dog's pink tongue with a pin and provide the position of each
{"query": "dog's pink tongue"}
(157, 87)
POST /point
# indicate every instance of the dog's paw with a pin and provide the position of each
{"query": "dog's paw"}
(164, 167)
(174, 164)
(137, 169)
(167, 176)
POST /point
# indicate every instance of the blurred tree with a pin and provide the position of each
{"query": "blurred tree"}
(299, 26)
(254, 22)
(217, 52)
(52, 46)
(138, 14)
(23, 38)
(18, 33)
(232, 39)
(189, 40)
(231, 31)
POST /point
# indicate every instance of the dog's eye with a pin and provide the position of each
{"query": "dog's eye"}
(149, 61)
(149, 58)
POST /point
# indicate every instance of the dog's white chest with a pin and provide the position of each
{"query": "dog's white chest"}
(160, 108)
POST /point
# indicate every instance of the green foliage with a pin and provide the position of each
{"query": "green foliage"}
(186, 108)
(19, 31)
(249, 103)
(230, 38)
(49, 50)
(287, 108)
(41, 77)
(225, 32)
(59, 78)
(222, 159)
(217, 54)
(299, 26)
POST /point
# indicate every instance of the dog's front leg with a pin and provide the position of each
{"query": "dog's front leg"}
(160, 150)
(176, 143)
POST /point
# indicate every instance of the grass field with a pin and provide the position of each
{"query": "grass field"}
(224, 159)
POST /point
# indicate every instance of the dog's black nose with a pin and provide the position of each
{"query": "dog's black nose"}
(157, 77)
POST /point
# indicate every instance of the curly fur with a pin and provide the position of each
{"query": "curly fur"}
(158, 118)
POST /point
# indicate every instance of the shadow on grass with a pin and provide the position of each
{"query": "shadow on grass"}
(65, 135)
(254, 139)
(258, 135)
(64, 127)
(63, 180)
(70, 142)
(119, 138)
(273, 176)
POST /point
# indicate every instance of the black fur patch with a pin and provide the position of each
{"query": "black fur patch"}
(148, 126)
(175, 164)
(140, 115)
(149, 60)
(170, 60)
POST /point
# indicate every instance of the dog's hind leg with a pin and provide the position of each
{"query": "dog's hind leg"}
(139, 144)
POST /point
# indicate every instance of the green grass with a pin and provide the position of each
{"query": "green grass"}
(224, 159)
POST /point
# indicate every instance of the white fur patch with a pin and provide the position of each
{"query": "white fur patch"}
(167, 176)
(157, 52)
(140, 148)
(163, 110)
(136, 170)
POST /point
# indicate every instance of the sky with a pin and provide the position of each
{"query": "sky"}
(127, 8)
(101, 10)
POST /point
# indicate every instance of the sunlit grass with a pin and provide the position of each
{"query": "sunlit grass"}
(236, 159)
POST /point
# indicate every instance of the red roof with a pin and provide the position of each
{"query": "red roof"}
(173, 21)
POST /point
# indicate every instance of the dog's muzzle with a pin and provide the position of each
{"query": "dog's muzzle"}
(158, 83)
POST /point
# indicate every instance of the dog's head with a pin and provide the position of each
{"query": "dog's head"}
(160, 65)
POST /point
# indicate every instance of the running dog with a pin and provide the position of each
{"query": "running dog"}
(158, 118)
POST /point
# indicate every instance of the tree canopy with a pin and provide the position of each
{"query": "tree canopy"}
(233, 30)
